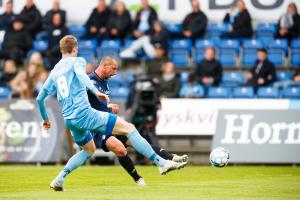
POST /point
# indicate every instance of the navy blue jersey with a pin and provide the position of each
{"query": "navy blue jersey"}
(102, 86)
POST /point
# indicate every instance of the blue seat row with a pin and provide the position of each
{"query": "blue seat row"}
(248, 92)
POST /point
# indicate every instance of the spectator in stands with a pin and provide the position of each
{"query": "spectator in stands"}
(119, 23)
(263, 72)
(169, 83)
(7, 17)
(155, 45)
(192, 89)
(32, 18)
(36, 58)
(27, 81)
(48, 18)
(9, 73)
(240, 21)
(56, 31)
(289, 23)
(17, 42)
(209, 70)
(97, 22)
(194, 24)
(144, 19)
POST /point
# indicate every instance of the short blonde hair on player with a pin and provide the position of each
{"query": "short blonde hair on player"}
(67, 44)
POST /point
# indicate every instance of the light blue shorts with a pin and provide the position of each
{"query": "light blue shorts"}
(91, 120)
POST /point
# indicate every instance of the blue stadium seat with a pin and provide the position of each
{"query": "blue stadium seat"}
(219, 92)
(268, 92)
(200, 46)
(216, 29)
(179, 57)
(119, 93)
(228, 59)
(279, 44)
(232, 79)
(252, 44)
(229, 50)
(243, 92)
(295, 43)
(291, 92)
(115, 81)
(230, 44)
(174, 28)
(109, 47)
(284, 76)
(250, 47)
(276, 57)
(40, 45)
(88, 55)
(77, 30)
(184, 77)
(265, 29)
(181, 44)
(89, 45)
(248, 59)
(4, 92)
(295, 53)
(111, 44)
(265, 40)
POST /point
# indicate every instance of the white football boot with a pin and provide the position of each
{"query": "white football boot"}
(141, 182)
(177, 158)
(56, 186)
(171, 165)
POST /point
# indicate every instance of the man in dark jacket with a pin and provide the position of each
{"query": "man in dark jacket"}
(209, 70)
(194, 24)
(47, 20)
(289, 23)
(32, 18)
(56, 31)
(119, 23)
(17, 42)
(144, 19)
(97, 22)
(263, 73)
(7, 17)
(240, 22)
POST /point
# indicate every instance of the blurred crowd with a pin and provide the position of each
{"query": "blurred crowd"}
(25, 71)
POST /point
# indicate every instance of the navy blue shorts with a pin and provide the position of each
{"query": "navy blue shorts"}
(100, 140)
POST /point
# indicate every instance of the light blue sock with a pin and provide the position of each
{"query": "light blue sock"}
(74, 162)
(143, 147)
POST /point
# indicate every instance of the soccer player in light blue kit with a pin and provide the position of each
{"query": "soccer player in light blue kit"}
(70, 81)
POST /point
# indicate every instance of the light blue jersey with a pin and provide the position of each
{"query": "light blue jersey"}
(70, 81)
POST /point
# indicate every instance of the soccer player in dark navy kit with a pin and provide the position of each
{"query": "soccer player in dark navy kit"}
(118, 144)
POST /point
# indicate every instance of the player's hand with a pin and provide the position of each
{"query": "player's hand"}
(102, 96)
(114, 108)
(46, 124)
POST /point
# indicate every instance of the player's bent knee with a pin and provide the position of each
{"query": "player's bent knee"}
(121, 151)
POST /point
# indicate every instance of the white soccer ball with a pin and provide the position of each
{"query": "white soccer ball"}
(219, 157)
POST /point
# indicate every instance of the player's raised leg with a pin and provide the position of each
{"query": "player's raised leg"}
(122, 127)
(165, 154)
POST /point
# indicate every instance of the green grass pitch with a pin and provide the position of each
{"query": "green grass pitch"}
(192, 182)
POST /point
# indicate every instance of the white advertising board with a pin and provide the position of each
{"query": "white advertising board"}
(199, 116)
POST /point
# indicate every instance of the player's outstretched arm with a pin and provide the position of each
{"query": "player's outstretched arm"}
(47, 89)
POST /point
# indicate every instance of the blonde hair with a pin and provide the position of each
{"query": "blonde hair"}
(67, 44)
